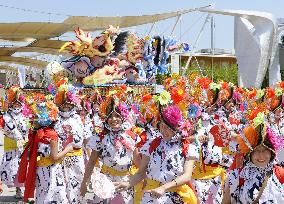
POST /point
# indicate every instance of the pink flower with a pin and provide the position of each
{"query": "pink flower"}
(276, 141)
(173, 116)
(72, 98)
(123, 110)
(185, 128)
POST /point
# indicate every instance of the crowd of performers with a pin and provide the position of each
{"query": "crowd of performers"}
(195, 141)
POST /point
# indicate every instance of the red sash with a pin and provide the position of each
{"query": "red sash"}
(28, 163)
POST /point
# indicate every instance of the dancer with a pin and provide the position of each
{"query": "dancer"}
(40, 167)
(167, 163)
(260, 179)
(15, 132)
(114, 146)
(70, 129)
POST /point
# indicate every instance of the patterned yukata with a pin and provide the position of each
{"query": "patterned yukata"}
(166, 163)
(15, 131)
(279, 130)
(74, 166)
(209, 175)
(116, 152)
(245, 184)
(50, 182)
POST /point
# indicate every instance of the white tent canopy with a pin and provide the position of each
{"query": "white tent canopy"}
(255, 44)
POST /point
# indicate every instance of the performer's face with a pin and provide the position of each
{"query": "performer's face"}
(166, 131)
(229, 106)
(261, 156)
(17, 105)
(114, 121)
(278, 113)
(66, 107)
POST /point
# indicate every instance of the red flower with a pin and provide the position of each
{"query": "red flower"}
(123, 87)
(146, 97)
(252, 94)
(204, 82)
(270, 93)
(225, 85)
(281, 84)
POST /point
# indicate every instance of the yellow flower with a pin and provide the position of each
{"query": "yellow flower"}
(164, 98)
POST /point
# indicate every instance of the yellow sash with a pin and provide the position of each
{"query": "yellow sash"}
(113, 172)
(45, 161)
(137, 188)
(78, 152)
(209, 172)
(10, 144)
(225, 150)
(184, 191)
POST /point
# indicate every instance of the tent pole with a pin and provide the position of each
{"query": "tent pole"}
(196, 42)
(212, 44)
(175, 25)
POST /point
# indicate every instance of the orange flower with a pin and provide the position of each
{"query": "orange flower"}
(239, 90)
(123, 87)
(167, 81)
(146, 98)
(204, 82)
(177, 95)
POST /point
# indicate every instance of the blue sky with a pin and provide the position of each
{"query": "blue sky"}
(187, 28)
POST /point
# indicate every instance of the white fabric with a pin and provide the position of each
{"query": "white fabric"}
(255, 45)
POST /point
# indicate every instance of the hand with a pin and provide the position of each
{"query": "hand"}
(121, 186)
(203, 139)
(233, 134)
(83, 189)
(69, 147)
(157, 192)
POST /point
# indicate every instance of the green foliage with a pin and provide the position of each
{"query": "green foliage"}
(225, 73)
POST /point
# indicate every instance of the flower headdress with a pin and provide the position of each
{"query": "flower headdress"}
(116, 101)
(44, 111)
(67, 93)
(174, 103)
(258, 133)
(226, 93)
(14, 95)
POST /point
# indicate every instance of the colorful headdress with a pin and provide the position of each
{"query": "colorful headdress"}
(67, 94)
(14, 95)
(44, 111)
(172, 116)
(225, 94)
(260, 135)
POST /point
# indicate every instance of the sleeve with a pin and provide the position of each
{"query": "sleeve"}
(232, 180)
(2, 121)
(9, 123)
(227, 160)
(234, 146)
(77, 132)
(88, 129)
(95, 143)
(193, 152)
(211, 154)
